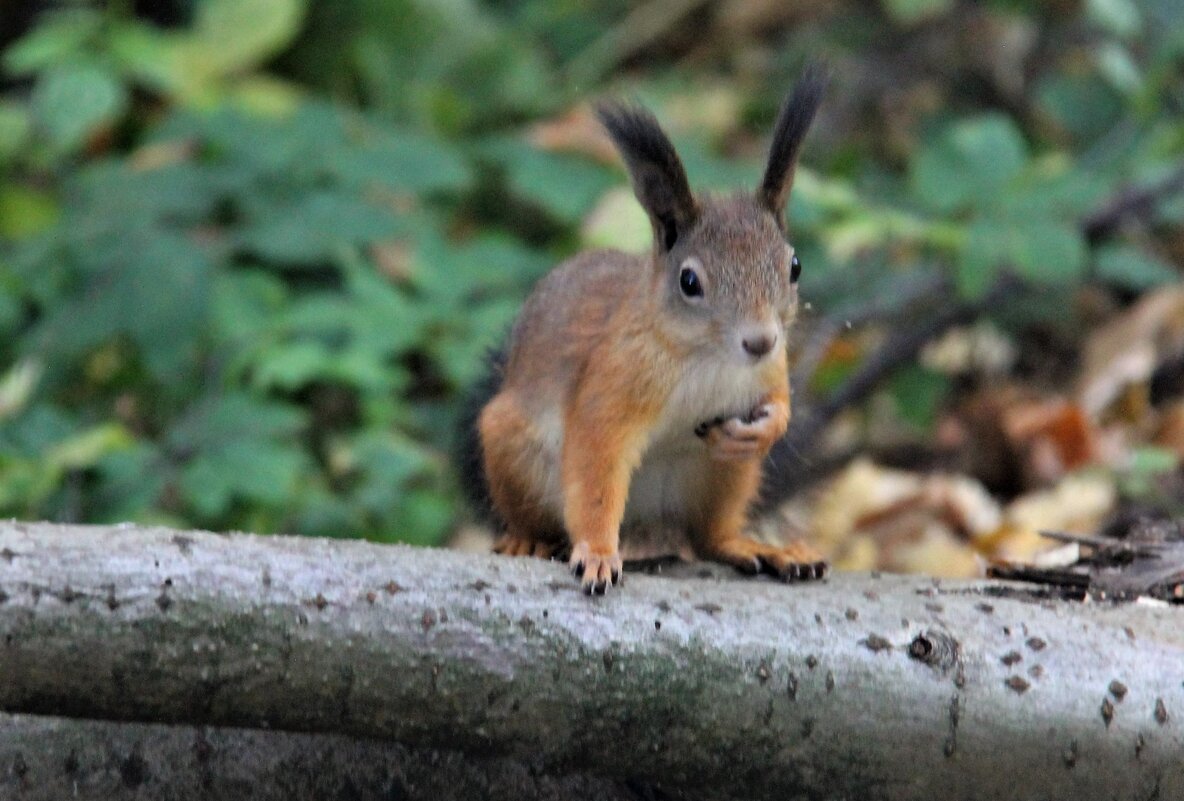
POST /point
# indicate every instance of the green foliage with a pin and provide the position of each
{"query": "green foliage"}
(255, 317)
(249, 264)
(71, 100)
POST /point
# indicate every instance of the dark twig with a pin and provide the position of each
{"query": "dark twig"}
(1132, 202)
(1148, 564)
(912, 291)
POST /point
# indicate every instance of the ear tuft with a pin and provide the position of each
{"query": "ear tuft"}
(797, 112)
(659, 180)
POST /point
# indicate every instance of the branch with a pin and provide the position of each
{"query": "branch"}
(49, 759)
(859, 687)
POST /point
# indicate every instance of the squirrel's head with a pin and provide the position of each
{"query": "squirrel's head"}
(723, 266)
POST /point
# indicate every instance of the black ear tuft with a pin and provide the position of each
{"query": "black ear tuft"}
(659, 180)
(797, 112)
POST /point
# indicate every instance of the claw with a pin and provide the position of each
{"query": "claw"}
(597, 572)
(792, 562)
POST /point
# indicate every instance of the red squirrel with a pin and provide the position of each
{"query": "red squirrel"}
(642, 391)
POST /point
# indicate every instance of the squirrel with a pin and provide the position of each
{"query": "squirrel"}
(643, 391)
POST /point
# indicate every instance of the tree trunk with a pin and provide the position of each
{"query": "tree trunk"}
(860, 687)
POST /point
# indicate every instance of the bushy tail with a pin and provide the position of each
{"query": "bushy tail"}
(467, 453)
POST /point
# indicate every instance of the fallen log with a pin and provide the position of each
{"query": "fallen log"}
(50, 759)
(865, 686)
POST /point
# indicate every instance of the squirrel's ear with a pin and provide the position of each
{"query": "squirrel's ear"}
(797, 112)
(659, 180)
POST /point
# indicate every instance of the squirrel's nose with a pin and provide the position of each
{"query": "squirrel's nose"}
(757, 343)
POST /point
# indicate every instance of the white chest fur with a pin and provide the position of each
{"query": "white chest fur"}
(675, 470)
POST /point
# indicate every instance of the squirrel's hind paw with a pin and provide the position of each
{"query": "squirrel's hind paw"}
(795, 561)
(525, 545)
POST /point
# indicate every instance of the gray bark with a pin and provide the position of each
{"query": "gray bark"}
(50, 759)
(861, 687)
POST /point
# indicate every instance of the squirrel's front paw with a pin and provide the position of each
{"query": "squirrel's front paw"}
(749, 437)
(596, 572)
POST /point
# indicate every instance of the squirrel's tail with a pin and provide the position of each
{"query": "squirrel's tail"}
(468, 456)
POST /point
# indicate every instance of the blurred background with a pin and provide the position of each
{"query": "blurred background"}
(252, 252)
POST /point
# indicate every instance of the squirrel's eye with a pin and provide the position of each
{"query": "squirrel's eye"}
(688, 282)
(795, 269)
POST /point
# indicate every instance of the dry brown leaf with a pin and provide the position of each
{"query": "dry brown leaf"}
(1078, 504)
(872, 517)
(575, 131)
(937, 552)
(855, 493)
(1014, 438)
(1055, 435)
(1129, 349)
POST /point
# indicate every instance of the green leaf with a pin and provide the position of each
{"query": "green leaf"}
(12, 314)
(490, 263)
(313, 227)
(983, 255)
(1085, 106)
(461, 348)
(130, 482)
(1147, 465)
(424, 517)
(918, 393)
(35, 431)
(402, 160)
(245, 304)
(1053, 186)
(969, 163)
(146, 54)
(15, 128)
(1047, 251)
(234, 35)
(1117, 65)
(63, 36)
(387, 463)
(710, 170)
(25, 211)
(151, 286)
(294, 365)
(114, 194)
(252, 471)
(911, 12)
(88, 447)
(286, 151)
(1132, 268)
(71, 101)
(1043, 250)
(1119, 17)
(238, 447)
(565, 186)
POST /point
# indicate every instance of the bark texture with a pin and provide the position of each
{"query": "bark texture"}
(51, 759)
(860, 687)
